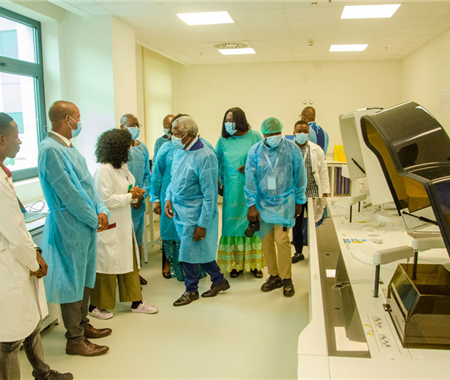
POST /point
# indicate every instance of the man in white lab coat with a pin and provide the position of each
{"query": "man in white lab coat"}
(318, 184)
(21, 264)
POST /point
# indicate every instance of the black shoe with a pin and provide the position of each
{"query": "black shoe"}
(215, 289)
(55, 375)
(288, 287)
(273, 282)
(297, 257)
(186, 299)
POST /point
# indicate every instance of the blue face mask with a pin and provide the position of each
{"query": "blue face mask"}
(274, 141)
(76, 132)
(134, 132)
(231, 128)
(166, 131)
(301, 138)
(177, 142)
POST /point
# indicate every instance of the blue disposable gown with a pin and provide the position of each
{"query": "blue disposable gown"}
(158, 144)
(232, 154)
(69, 241)
(161, 178)
(275, 188)
(139, 166)
(193, 192)
(319, 136)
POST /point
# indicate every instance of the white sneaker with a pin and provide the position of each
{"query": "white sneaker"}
(144, 307)
(101, 313)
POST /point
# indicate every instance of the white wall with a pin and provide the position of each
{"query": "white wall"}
(157, 94)
(278, 89)
(90, 77)
(140, 90)
(124, 68)
(426, 73)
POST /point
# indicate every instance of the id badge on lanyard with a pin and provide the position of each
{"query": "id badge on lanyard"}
(271, 179)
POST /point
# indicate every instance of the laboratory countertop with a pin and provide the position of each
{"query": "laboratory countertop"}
(387, 358)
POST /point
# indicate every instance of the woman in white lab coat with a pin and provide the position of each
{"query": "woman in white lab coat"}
(117, 251)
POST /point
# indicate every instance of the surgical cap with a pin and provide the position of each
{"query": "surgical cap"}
(271, 125)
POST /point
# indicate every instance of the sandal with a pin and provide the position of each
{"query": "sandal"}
(167, 275)
(257, 273)
(234, 273)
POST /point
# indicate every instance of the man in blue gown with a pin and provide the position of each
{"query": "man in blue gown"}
(69, 241)
(317, 134)
(139, 165)
(191, 200)
(167, 123)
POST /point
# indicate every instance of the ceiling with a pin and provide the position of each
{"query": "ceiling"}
(278, 30)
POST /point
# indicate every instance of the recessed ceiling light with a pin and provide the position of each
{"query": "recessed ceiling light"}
(354, 47)
(237, 51)
(369, 11)
(206, 18)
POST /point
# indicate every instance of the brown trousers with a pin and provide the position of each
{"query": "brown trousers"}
(280, 264)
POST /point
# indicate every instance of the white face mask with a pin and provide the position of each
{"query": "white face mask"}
(177, 142)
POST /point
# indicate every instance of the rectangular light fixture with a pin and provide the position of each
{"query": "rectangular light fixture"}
(206, 18)
(369, 11)
(354, 47)
(237, 51)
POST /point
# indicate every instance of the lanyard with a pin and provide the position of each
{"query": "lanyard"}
(270, 164)
(305, 156)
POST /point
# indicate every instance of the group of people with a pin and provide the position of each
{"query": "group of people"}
(92, 238)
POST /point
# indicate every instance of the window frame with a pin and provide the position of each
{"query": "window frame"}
(30, 69)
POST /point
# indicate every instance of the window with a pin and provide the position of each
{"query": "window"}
(22, 87)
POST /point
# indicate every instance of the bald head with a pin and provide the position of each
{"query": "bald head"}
(64, 117)
(59, 110)
(309, 114)
(129, 120)
(167, 122)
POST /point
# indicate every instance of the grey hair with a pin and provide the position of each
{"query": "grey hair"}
(186, 124)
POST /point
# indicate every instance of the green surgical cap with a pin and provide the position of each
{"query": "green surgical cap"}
(271, 125)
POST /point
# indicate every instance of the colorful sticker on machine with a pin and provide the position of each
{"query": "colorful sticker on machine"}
(348, 241)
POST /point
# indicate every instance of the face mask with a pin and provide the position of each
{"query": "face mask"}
(274, 141)
(231, 128)
(134, 132)
(9, 161)
(301, 138)
(76, 132)
(177, 142)
(166, 131)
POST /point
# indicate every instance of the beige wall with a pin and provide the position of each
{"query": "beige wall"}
(157, 75)
(279, 89)
(426, 73)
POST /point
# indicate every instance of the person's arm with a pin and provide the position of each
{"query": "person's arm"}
(14, 230)
(250, 188)
(207, 176)
(220, 160)
(147, 174)
(159, 167)
(300, 177)
(62, 180)
(104, 180)
(326, 142)
(323, 172)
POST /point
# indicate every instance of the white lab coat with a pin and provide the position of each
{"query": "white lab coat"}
(114, 246)
(319, 168)
(19, 310)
